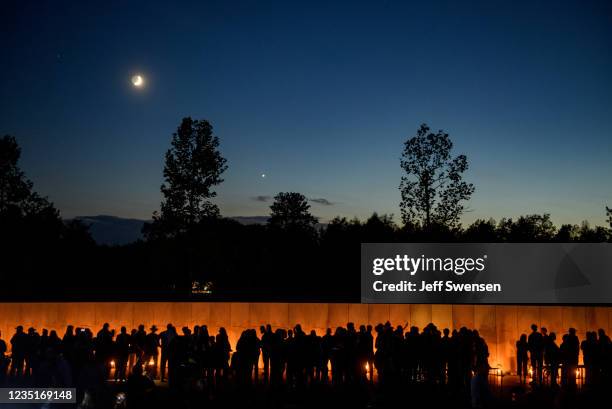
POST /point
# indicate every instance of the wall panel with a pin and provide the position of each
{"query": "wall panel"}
(500, 325)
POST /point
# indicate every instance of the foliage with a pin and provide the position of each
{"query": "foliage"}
(433, 189)
(291, 211)
(193, 167)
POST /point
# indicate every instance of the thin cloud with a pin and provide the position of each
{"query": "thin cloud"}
(262, 198)
(322, 201)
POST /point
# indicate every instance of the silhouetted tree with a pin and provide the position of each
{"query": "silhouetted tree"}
(291, 211)
(433, 189)
(567, 233)
(33, 238)
(529, 228)
(193, 167)
(481, 231)
(17, 197)
(597, 234)
(609, 214)
(379, 228)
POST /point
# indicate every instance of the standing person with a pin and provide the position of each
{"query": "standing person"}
(4, 361)
(165, 338)
(223, 348)
(266, 345)
(536, 351)
(362, 352)
(277, 357)
(553, 359)
(18, 349)
(134, 355)
(104, 347)
(68, 341)
(522, 358)
(151, 350)
(589, 349)
(573, 350)
(369, 338)
(122, 351)
(445, 354)
(32, 355)
(139, 340)
(255, 347)
(327, 343)
(564, 359)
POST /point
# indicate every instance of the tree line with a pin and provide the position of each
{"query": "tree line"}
(189, 247)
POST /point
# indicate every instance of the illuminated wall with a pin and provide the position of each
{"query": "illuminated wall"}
(500, 325)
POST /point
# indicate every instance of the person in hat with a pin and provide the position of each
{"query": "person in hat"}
(151, 351)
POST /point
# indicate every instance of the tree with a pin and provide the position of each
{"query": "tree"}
(433, 189)
(529, 228)
(291, 211)
(568, 233)
(193, 167)
(17, 197)
(609, 214)
(481, 231)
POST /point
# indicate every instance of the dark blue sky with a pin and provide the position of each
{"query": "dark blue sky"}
(319, 96)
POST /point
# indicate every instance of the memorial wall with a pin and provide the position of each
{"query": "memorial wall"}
(500, 325)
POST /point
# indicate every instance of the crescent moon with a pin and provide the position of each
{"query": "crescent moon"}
(137, 80)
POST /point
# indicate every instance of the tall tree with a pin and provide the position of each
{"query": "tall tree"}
(433, 190)
(17, 196)
(193, 168)
(291, 211)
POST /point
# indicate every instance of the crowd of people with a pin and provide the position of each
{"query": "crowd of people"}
(288, 358)
(546, 360)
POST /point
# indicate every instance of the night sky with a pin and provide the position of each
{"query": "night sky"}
(317, 96)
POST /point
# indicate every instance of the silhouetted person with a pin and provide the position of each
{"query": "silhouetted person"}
(104, 347)
(278, 355)
(165, 339)
(536, 351)
(68, 341)
(151, 351)
(266, 346)
(135, 351)
(4, 361)
(19, 346)
(32, 355)
(573, 352)
(589, 349)
(605, 358)
(139, 341)
(565, 359)
(54, 342)
(122, 353)
(554, 358)
(522, 358)
(327, 343)
(222, 354)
